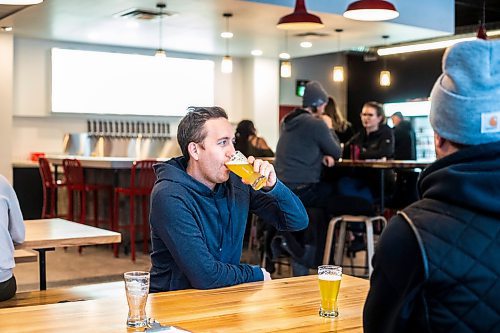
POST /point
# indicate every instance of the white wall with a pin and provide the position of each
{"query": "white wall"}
(34, 128)
(318, 68)
(6, 103)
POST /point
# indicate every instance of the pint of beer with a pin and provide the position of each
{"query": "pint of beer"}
(240, 166)
(329, 284)
(137, 289)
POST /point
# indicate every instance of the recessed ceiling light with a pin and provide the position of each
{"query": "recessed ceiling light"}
(7, 28)
(306, 44)
(256, 53)
(284, 55)
(226, 34)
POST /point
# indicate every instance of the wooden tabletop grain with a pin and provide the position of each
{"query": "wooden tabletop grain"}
(285, 305)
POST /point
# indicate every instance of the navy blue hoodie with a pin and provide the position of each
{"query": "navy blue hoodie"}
(197, 234)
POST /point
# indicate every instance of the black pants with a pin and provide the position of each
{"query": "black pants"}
(8, 289)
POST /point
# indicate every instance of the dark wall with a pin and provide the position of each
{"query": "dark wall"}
(412, 76)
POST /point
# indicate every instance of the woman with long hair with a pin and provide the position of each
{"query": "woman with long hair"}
(249, 143)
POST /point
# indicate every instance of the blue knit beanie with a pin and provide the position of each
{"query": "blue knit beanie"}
(465, 100)
(314, 95)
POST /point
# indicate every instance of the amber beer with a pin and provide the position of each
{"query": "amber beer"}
(240, 166)
(329, 285)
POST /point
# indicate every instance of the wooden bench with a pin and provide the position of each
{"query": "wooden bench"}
(69, 294)
(22, 256)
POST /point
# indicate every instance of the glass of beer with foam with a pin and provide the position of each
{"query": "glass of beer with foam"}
(137, 289)
(240, 166)
(329, 285)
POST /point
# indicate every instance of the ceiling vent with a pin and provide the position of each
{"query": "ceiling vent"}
(312, 35)
(143, 14)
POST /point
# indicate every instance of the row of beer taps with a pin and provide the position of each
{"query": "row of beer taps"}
(128, 129)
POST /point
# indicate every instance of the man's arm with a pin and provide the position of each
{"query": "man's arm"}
(327, 143)
(174, 223)
(16, 221)
(394, 284)
(279, 207)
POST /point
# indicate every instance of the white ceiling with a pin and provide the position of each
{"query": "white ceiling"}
(197, 27)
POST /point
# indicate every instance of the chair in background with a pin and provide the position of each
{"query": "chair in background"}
(357, 215)
(341, 238)
(50, 186)
(142, 179)
(75, 183)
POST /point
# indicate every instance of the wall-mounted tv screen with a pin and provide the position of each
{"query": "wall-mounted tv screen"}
(300, 86)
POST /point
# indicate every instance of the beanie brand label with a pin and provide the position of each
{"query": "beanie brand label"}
(490, 122)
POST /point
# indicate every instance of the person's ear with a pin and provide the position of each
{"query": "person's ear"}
(193, 151)
(439, 145)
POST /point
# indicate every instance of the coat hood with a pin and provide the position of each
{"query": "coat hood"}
(469, 178)
(174, 171)
(294, 119)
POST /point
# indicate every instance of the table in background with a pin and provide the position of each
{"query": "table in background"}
(280, 305)
(47, 234)
(383, 165)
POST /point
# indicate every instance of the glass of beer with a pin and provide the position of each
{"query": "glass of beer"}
(240, 166)
(137, 289)
(329, 284)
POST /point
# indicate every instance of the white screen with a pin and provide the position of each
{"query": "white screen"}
(118, 83)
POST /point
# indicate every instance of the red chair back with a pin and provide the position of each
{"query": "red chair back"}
(46, 173)
(73, 172)
(142, 175)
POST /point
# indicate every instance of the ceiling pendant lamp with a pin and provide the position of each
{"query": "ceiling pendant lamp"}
(160, 52)
(338, 71)
(20, 2)
(371, 10)
(385, 75)
(226, 66)
(286, 64)
(300, 19)
(481, 30)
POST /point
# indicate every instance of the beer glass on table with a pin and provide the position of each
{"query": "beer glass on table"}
(329, 277)
(240, 166)
(137, 289)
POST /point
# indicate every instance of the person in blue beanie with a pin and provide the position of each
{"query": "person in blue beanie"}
(199, 209)
(437, 264)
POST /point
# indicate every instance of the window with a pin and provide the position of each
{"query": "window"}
(129, 84)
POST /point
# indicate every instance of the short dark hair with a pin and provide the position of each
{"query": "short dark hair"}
(379, 108)
(398, 114)
(191, 127)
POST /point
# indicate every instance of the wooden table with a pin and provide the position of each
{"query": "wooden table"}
(46, 234)
(289, 305)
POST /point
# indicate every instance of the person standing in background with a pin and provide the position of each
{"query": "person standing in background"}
(404, 138)
(305, 145)
(12, 231)
(333, 116)
(249, 143)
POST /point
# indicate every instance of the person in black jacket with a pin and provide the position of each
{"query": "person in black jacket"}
(404, 137)
(437, 264)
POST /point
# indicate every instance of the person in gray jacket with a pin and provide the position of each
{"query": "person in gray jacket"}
(11, 231)
(306, 144)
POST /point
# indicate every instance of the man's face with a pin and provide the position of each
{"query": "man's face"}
(395, 120)
(214, 151)
(370, 119)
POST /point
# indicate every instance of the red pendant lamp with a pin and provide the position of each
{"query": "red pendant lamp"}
(300, 19)
(371, 10)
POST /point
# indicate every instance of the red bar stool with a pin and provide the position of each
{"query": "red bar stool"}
(75, 182)
(142, 179)
(50, 187)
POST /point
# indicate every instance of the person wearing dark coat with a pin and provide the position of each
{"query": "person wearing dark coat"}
(437, 264)
(404, 138)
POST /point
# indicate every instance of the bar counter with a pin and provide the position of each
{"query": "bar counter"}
(285, 305)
